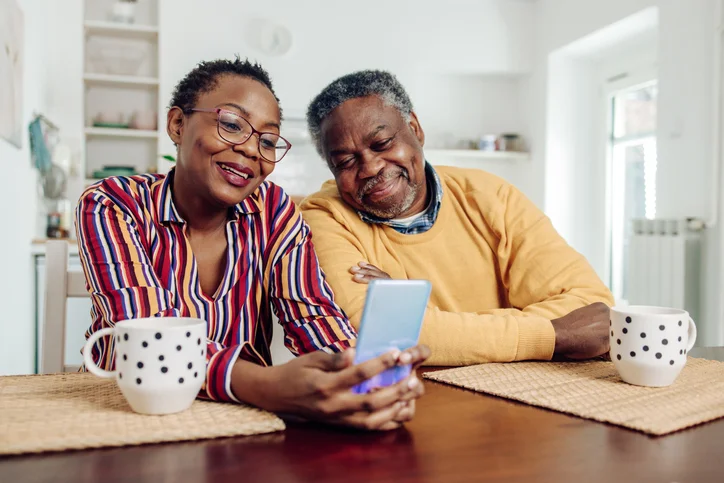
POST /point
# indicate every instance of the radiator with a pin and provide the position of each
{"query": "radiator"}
(664, 264)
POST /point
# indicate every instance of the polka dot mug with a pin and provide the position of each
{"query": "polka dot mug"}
(160, 362)
(649, 345)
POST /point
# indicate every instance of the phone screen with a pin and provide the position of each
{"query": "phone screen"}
(392, 319)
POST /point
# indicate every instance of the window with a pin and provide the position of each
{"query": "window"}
(632, 162)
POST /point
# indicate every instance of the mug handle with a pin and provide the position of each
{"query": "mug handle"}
(88, 360)
(691, 334)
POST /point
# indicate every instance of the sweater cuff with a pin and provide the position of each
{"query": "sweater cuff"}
(536, 339)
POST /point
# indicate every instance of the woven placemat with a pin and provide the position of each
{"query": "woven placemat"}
(74, 411)
(594, 390)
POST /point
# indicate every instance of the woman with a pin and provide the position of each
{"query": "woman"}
(214, 240)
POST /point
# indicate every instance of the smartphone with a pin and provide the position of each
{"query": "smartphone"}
(391, 319)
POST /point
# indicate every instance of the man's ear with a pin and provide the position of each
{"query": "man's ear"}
(175, 124)
(417, 129)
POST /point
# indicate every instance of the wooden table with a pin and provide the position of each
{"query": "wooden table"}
(457, 436)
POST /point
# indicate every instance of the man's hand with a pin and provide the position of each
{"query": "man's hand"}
(318, 387)
(364, 272)
(582, 334)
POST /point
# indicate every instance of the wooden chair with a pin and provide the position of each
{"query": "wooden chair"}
(60, 284)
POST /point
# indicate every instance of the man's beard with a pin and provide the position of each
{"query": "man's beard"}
(393, 211)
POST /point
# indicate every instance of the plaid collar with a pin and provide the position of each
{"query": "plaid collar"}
(424, 222)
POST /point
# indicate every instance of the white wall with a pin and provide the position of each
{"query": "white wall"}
(460, 62)
(47, 88)
(685, 140)
(17, 197)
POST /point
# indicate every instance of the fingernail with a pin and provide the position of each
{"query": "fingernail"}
(395, 354)
(405, 358)
(362, 264)
(413, 383)
(358, 275)
(355, 269)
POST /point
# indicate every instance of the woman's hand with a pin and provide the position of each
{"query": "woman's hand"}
(318, 386)
(365, 272)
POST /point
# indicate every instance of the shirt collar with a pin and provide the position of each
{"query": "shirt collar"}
(167, 212)
(434, 187)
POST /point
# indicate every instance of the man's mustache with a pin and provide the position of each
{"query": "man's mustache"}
(381, 178)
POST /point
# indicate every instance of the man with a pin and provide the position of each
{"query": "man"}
(506, 286)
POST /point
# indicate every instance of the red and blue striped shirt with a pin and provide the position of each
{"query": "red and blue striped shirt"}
(138, 263)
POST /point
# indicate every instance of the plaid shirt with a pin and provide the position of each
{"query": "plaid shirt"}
(424, 222)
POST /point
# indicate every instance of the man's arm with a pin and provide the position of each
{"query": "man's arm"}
(551, 290)
(454, 338)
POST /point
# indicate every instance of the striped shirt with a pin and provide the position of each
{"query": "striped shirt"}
(138, 263)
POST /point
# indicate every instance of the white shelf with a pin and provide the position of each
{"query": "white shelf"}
(113, 29)
(120, 133)
(434, 154)
(119, 80)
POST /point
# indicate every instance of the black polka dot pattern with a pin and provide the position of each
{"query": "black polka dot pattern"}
(662, 344)
(145, 362)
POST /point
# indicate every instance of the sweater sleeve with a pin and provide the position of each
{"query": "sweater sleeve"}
(542, 275)
(498, 335)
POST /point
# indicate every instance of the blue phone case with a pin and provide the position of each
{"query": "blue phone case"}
(392, 319)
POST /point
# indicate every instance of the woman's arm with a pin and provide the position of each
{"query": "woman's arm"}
(299, 292)
(124, 285)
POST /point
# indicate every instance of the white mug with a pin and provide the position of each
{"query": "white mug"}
(649, 345)
(160, 362)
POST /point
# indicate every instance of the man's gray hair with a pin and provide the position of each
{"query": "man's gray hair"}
(351, 86)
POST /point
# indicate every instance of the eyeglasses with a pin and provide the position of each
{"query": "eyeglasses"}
(234, 129)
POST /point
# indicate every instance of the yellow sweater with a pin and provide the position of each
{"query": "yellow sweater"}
(500, 271)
